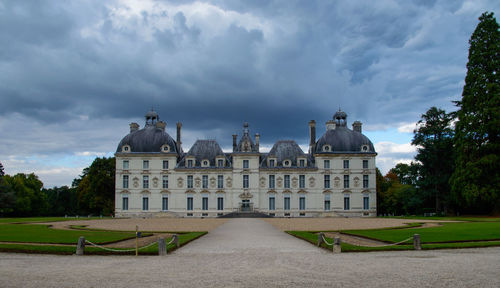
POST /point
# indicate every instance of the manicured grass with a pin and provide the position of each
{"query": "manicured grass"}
(43, 234)
(45, 219)
(90, 250)
(448, 232)
(312, 238)
(447, 218)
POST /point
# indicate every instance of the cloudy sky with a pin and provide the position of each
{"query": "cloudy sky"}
(74, 74)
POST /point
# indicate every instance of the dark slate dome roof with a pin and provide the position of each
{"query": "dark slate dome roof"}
(344, 140)
(204, 150)
(146, 140)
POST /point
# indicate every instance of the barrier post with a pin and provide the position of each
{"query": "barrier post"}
(136, 240)
(176, 241)
(320, 238)
(336, 245)
(416, 242)
(80, 246)
(162, 247)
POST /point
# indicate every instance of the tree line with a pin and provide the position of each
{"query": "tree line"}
(457, 166)
(92, 193)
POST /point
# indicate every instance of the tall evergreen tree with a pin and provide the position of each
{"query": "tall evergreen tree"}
(476, 178)
(434, 139)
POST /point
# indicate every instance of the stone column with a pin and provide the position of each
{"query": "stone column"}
(80, 247)
(162, 247)
(320, 238)
(416, 242)
(336, 245)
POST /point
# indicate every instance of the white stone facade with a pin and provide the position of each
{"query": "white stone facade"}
(169, 182)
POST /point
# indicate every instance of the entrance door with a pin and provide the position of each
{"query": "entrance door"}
(245, 205)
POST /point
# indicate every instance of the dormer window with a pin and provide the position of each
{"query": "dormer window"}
(165, 148)
(286, 163)
(205, 163)
(302, 163)
(271, 163)
(126, 148)
(364, 148)
(327, 148)
(220, 163)
(189, 163)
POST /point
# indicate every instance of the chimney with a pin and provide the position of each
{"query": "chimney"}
(234, 142)
(179, 147)
(161, 125)
(257, 141)
(330, 125)
(134, 127)
(356, 126)
(312, 134)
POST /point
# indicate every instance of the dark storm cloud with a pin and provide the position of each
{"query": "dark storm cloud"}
(276, 64)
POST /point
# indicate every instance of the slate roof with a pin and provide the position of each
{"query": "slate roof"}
(147, 140)
(284, 150)
(204, 150)
(344, 140)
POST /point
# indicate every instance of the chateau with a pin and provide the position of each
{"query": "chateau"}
(155, 177)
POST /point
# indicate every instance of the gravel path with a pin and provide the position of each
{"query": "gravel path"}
(250, 253)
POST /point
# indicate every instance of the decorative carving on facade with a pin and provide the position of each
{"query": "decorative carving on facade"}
(197, 182)
(180, 182)
(295, 182)
(136, 182)
(262, 182)
(356, 181)
(336, 182)
(212, 182)
(246, 195)
(155, 182)
(229, 182)
(279, 182)
(312, 182)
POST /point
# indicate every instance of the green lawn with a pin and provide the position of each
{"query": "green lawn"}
(43, 234)
(446, 218)
(449, 232)
(89, 250)
(44, 219)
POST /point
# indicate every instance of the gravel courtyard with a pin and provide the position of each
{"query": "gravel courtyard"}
(252, 253)
(208, 224)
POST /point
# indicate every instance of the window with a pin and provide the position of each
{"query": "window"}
(125, 203)
(326, 148)
(366, 202)
(346, 202)
(271, 181)
(205, 163)
(346, 181)
(190, 163)
(271, 163)
(166, 148)
(205, 181)
(145, 203)
(245, 181)
(190, 202)
(365, 164)
(220, 181)
(145, 181)
(220, 163)
(287, 181)
(346, 164)
(327, 181)
(165, 181)
(125, 181)
(220, 203)
(204, 202)
(165, 164)
(365, 181)
(302, 181)
(164, 203)
(286, 204)
(302, 163)
(326, 164)
(125, 164)
(272, 205)
(327, 202)
(287, 163)
(302, 202)
(145, 164)
(125, 148)
(190, 181)
(245, 164)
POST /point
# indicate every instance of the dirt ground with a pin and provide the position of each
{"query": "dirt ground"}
(208, 224)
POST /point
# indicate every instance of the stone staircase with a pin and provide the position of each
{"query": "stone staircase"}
(245, 214)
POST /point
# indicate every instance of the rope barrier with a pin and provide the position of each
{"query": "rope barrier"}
(173, 239)
(326, 242)
(119, 250)
(397, 243)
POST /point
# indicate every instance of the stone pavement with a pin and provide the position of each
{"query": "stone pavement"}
(250, 253)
